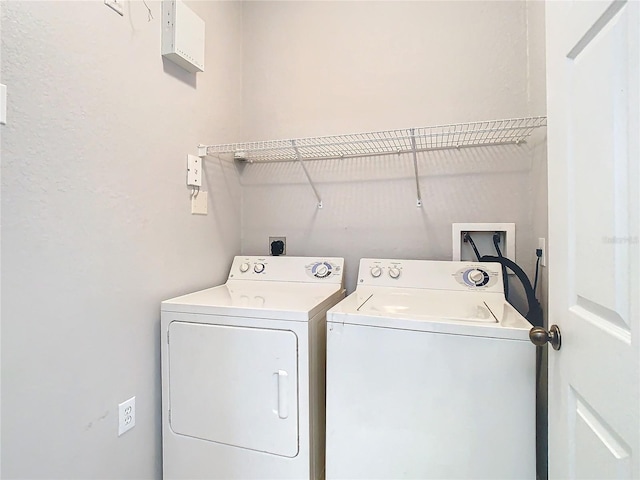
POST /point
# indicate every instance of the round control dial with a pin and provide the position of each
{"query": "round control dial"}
(475, 277)
(244, 267)
(394, 272)
(258, 267)
(321, 270)
(376, 272)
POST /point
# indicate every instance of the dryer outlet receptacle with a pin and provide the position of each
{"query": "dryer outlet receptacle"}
(277, 246)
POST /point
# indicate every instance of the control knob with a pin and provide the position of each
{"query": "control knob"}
(394, 272)
(376, 272)
(244, 267)
(476, 276)
(321, 270)
(258, 267)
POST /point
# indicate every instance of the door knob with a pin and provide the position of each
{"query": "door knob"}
(539, 336)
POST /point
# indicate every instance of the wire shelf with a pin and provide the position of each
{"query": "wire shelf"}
(408, 140)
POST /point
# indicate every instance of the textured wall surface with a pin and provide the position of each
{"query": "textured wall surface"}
(96, 224)
(315, 68)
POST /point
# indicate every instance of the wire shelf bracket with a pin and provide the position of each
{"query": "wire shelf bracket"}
(415, 167)
(306, 172)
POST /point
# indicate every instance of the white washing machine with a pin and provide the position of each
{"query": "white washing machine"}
(243, 369)
(430, 374)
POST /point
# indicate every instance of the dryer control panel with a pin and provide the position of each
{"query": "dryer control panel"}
(287, 269)
(431, 274)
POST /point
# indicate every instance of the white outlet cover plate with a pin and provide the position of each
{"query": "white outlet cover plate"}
(199, 203)
(508, 228)
(126, 415)
(542, 244)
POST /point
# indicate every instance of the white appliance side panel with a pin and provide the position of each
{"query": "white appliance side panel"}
(406, 405)
(234, 385)
(317, 391)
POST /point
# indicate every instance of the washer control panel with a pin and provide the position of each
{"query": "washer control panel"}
(385, 269)
(287, 268)
(431, 274)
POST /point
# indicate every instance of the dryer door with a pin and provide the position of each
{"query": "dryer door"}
(234, 385)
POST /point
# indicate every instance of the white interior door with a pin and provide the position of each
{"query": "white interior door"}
(234, 385)
(594, 191)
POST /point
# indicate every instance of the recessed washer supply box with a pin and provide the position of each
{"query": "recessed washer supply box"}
(482, 235)
(183, 35)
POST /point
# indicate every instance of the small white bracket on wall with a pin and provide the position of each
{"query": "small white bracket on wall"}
(304, 168)
(415, 166)
(194, 171)
(202, 151)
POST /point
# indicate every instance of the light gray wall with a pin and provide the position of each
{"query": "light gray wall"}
(316, 68)
(96, 224)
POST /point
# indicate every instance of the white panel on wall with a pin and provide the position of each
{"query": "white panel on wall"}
(183, 36)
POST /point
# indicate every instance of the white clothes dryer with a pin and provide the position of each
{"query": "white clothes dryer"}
(430, 375)
(243, 371)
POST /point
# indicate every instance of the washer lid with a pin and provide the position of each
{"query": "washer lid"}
(247, 298)
(428, 304)
(467, 313)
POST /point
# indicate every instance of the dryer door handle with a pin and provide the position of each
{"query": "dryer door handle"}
(283, 388)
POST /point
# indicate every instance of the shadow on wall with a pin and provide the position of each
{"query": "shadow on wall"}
(179, 73)
(222, 184)
(437, 163)
(471, 178)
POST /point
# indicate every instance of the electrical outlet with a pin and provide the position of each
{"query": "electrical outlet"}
(199, 203)
(275, 248)
(542, 245)
(116, 6)
(126, 415)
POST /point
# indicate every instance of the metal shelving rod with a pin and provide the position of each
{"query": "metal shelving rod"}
(304, 167)
(415, 167)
